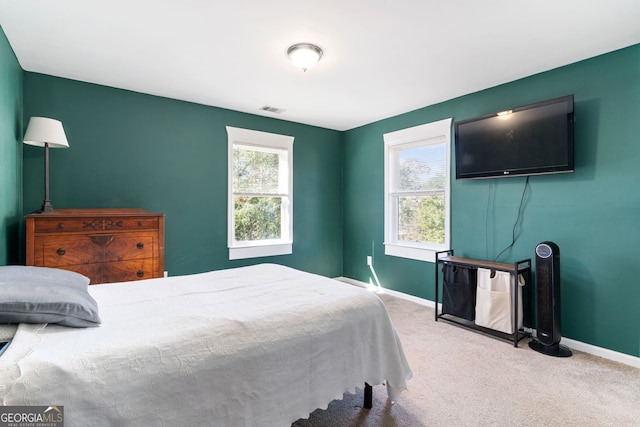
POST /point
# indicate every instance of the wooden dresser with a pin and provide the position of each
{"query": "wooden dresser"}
(106, 245)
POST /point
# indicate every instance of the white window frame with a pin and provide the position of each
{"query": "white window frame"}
(268, 142)
(406, 138)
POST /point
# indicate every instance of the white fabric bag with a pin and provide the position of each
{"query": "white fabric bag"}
(495, 298)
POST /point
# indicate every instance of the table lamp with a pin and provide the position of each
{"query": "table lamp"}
(47, 133)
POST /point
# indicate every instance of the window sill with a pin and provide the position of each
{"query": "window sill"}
(412, 252)
(243, 252)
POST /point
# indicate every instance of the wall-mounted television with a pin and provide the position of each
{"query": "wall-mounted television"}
(528, 140)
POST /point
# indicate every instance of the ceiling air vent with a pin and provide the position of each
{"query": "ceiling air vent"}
(272, 109)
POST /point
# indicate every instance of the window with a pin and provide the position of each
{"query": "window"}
(260, 204)
(416, 169)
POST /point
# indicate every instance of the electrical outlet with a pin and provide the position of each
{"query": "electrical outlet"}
(369, 260)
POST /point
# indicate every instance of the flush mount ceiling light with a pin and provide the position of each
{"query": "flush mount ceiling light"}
(304, 55)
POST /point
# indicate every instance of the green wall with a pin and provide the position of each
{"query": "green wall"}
(592, 214)
(133, 150)
(10, 153)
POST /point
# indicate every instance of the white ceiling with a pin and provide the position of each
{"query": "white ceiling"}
(381, 57)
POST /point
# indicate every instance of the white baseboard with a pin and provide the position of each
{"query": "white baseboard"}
(602, 352)
(576, 345)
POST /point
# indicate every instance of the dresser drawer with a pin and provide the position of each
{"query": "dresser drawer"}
(55, 251)
(130, 224)
(90, 224)
(124, 271)
(92, 271)
(119, 271)
(61, 225)
(126, 246)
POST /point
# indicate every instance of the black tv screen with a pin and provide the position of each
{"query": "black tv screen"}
(528, 140)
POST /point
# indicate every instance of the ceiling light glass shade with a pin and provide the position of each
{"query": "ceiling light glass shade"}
(42, 130)
(304, 55)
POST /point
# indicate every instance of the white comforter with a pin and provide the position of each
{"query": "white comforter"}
(261, 345)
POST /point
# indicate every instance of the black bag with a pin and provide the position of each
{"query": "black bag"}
(459, 291)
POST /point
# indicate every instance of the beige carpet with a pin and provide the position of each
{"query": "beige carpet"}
(462, 378)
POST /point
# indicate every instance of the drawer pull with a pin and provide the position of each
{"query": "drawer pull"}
(60, 226)
(140, 273)
(140, 245)
(102, 239)
(61, 251)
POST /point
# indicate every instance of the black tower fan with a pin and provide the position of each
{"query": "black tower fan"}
(548, 301)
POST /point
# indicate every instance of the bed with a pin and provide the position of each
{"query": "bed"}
(260, 345)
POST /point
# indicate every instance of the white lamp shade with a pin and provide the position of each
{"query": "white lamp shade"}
(43, 130)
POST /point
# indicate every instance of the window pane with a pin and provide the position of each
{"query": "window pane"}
(422, 168)
(257, 218)
(255, 171)
(421, 219)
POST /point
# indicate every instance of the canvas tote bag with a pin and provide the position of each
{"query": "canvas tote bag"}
(495, 298)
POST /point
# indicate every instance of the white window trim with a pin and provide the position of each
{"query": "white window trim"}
(406, 137)
(259, 248)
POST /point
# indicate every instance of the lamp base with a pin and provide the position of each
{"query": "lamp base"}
(47, 207)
